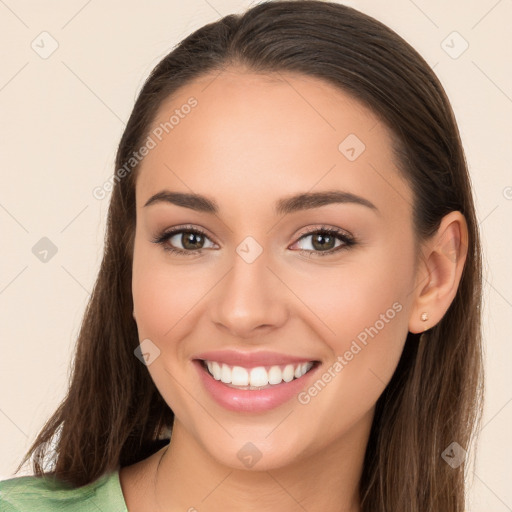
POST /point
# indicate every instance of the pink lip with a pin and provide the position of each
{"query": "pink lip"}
(246, 400)
(251, 359)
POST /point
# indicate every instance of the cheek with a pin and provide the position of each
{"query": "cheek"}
(156, 303)
(162, 293)
(371, 329)
(366, 297)
(364, 306)
(163, 296)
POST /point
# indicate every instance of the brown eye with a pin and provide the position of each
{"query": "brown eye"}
(192, 241)
(323, 242)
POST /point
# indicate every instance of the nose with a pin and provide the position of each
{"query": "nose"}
(250, 300)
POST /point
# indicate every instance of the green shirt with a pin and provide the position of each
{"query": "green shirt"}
(45, 494)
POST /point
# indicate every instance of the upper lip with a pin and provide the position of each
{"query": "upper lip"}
(251, 359)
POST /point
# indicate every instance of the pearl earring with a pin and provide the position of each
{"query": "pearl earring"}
(424, 317)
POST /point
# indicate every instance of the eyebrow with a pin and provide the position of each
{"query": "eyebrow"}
(284, 206)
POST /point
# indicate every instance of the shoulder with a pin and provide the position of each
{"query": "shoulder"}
(45, 494)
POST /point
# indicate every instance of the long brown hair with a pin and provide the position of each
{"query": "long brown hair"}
(113, 415)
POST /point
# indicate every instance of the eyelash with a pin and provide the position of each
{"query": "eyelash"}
(347, 240)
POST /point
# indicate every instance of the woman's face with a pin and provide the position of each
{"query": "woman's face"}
(268, 283)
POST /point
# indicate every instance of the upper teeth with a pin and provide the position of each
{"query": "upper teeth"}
(258, 376)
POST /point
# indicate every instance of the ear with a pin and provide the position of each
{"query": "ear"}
(439, 271)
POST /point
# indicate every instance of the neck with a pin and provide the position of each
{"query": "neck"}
(187, 478)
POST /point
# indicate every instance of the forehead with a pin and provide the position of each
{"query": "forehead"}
(252, 138)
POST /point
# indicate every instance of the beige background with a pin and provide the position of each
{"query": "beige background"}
(62, 117)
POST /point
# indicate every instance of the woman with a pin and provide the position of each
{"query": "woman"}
(290, 289)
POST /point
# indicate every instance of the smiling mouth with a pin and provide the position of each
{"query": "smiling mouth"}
(259, 377)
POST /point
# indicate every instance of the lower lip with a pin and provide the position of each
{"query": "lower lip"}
(245, 400)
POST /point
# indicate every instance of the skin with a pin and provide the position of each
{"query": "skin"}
(251, 140)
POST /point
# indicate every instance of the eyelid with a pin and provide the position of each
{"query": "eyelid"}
(205, 232)
(347, 239)
(166, 234)
(186, 227)
(323, 228)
